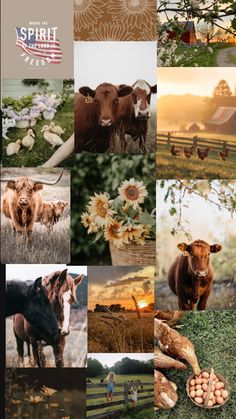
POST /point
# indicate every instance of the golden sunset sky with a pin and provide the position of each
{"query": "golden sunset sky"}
(194, 80)
(115, 285)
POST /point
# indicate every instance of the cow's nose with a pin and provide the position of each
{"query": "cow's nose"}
(105, 122)
(202, 273)
(143, 114)
(65, 332)
(23, 201)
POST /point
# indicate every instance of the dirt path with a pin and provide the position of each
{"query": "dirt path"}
(223, 59)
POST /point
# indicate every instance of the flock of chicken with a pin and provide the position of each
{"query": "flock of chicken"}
(188, 152)
(172, 345)
(51, 133)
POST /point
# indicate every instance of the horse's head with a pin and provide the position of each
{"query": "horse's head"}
(62, 291)
(39, 311)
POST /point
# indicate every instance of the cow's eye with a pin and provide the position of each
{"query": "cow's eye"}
(116, 100)
(95, 101)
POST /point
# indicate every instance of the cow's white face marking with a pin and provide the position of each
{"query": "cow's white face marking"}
(66, 312)
(141, 112)
(142, 84)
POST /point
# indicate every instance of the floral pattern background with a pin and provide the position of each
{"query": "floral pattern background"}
(115, 20)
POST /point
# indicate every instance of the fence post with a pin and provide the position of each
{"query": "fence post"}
(126, 394)
(168, 138)
(224, 146)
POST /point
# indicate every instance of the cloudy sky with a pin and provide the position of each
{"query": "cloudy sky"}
(111, 285)
(114, 62)
(111, 359)
(197, 81)
(25, 272)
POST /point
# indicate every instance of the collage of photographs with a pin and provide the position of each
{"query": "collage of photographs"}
(118, 209)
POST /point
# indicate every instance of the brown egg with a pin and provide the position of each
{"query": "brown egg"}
(210, 403)
(199, 393)
(192, 394)
(219, 400)
(204, 386)
(198, 381)
(224, 394)
(205, 380)
(213, 387)
(198, 400)
(192, 388)
(213, 400)
(204, 395)
(205, 374)
(192, 382)
(198, 387)
(217, 379)
(217, 393)
(219, 385)
(211, 396)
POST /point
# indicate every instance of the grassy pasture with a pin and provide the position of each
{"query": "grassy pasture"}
(213, 335)
(171, 167)
(200, 57)
(120, 379)
(120, 338)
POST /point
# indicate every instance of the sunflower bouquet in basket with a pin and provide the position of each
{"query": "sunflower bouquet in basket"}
(121, 220)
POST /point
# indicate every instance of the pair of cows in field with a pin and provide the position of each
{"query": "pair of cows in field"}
(108, 110)
(24, 205)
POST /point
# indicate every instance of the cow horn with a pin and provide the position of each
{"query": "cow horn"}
(45, 182)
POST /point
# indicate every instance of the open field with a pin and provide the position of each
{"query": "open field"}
(223, 296)
(45, 248)
(133, 335)
(213, 335)
(42, 150)
(171, 167)
(75, 353)
(120, 379)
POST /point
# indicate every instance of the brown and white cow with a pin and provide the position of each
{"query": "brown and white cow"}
(95, 116)
(191, 275)
(22, 201)
(51, 212)
(134, 113)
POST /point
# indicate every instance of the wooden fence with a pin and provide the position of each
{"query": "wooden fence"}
(171, 138)
(145, 396)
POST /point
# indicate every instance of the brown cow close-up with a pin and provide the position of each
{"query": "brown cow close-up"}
(191, 275)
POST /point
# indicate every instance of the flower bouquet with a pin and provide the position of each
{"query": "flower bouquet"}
(21, 111)
(129, 229)
(48, 104)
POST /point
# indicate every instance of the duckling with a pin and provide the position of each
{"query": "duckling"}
(13, 148)
(56, 129)
(28, 140)
(50, 137)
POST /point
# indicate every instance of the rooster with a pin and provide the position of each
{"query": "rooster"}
(202, 154)
(188, 152)
(175, 151)
(223, 155)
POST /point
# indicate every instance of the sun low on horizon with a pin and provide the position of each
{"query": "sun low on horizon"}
(117, 288)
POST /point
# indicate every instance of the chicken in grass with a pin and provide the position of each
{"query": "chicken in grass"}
(176, 345)
(165, 395)
(171, 317)
(164, 361)
(223, 155)
(188, 152)
(175, 151)
(203, 154)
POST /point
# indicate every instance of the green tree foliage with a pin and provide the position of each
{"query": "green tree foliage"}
(94, 368)
(103, 173)
(133, 366)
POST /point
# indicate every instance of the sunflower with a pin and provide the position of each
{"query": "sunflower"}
(47, 391)
(132, 232)
(112, 233)
(99, 209)
(133, 13)
(87, 13)
(133, 192)
(35, 399)
(87, 221)
(110, 31)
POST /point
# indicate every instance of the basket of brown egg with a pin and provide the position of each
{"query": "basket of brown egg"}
(208, 389)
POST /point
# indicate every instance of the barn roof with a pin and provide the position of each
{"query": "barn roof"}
(222, 115)
(187, 25)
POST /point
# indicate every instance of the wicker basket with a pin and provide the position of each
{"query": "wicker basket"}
(204, 405)
(134, 254)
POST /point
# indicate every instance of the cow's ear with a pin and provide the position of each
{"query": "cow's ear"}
(215, 248)
(38, 186)
(86, 91)
(62, 276)
(124, 90)
(37, 284)
(11, 184)
(66, 203)
(183, 247)
(79, 279)
(154, 89)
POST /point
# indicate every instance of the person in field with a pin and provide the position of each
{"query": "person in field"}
(134, 395)
(110, 381)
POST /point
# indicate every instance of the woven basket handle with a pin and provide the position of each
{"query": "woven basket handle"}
(209, 388)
